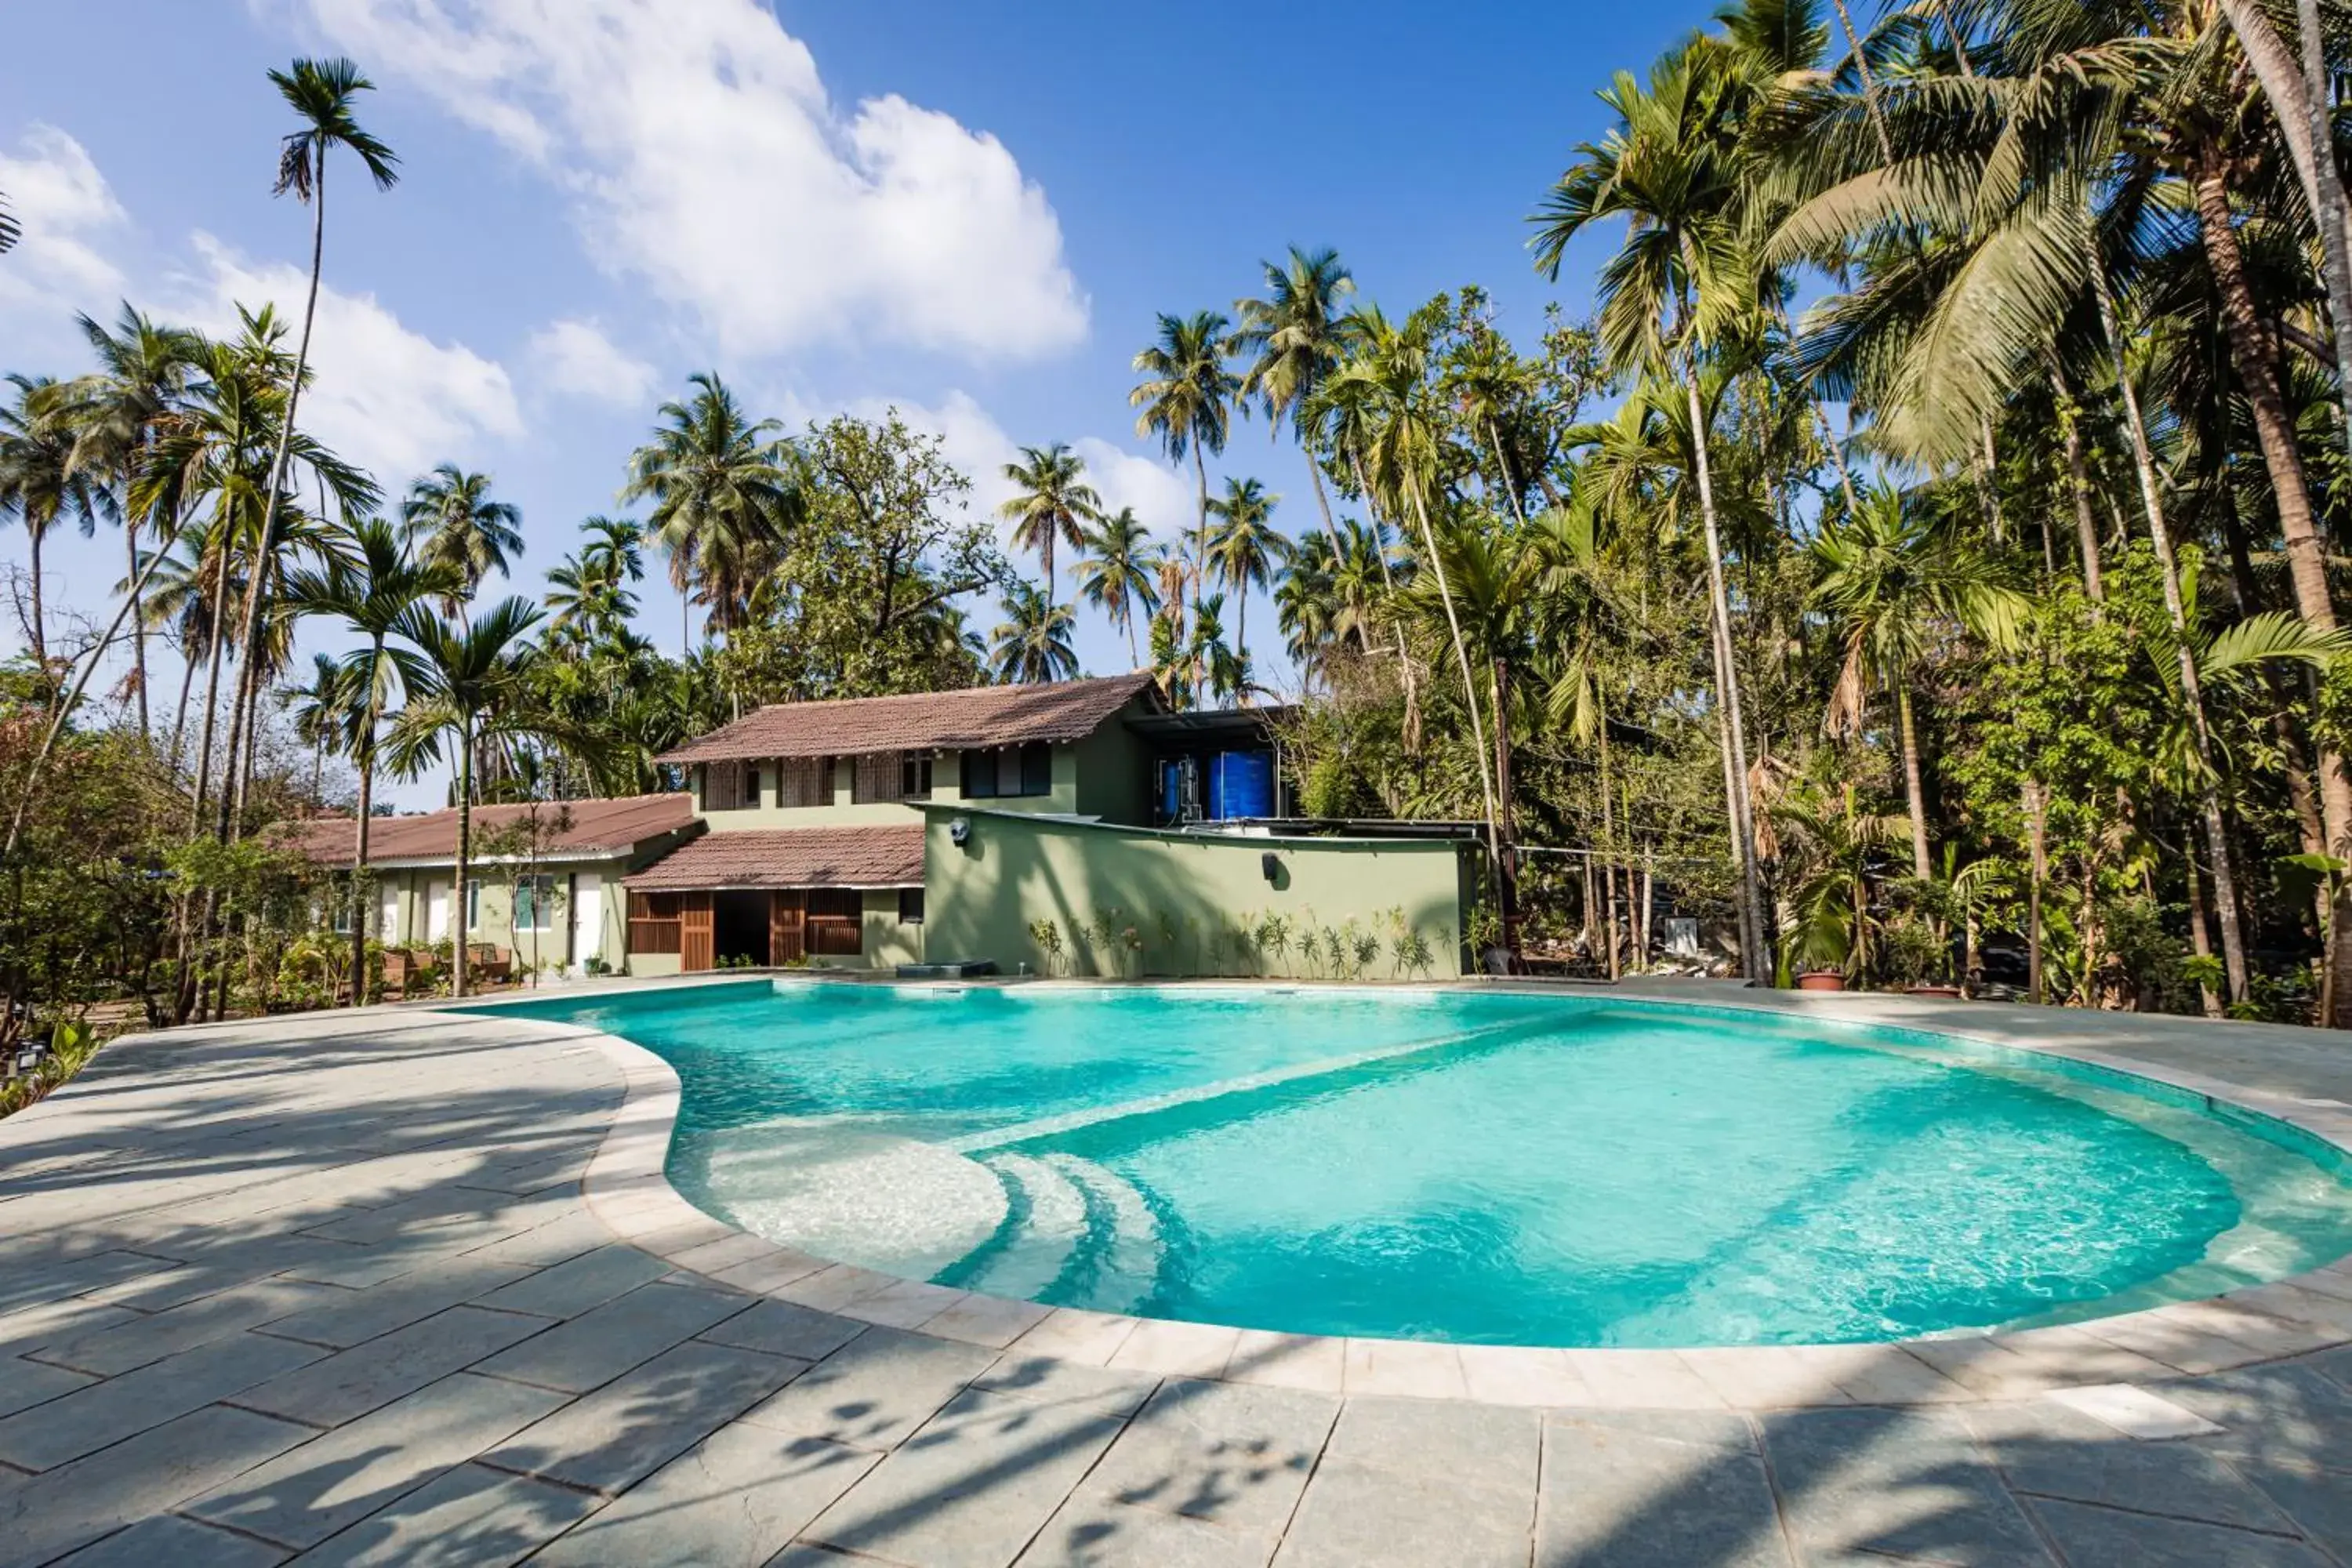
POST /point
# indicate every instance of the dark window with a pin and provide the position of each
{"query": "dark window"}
(910, 906)
(1014, 770)
(915, 776)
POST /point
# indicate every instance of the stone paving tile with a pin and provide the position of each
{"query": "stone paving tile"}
(1090, 1531)
(1495, 1445)
(57, 1322)
(600, 1344)
(1616, 1495)
(83, 1422)
(2049, 1449)
(740, 1496)
(971, 1488)
(588, 1279)
(1899, 1483)
(470, 1517)
(2280, 1412)
(876, 1390)
(47, 1515)
(302, 1497)
(632, 1426)
(135, 1344)
(24, 1384)
(2318, 1501)
(1049, 1382)
(416, 1295)
(1312, 1362)
(545, 1245)
(30, 1280)
(170, 1542)
(349, 1384)
(1355, 1513)
(781, 1327)
(1234, 1453)
(2111, 1538)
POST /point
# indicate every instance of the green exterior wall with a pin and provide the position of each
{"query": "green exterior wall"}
(403, 894)
(1107, 774)
(983, 896)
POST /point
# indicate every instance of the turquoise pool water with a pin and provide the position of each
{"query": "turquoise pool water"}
(1474, 1167)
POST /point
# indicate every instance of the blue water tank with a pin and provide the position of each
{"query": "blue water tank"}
(1171, 791)
(1241, 785)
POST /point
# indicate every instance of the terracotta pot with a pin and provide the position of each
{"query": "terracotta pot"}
(1822, 980)
(1953, 992)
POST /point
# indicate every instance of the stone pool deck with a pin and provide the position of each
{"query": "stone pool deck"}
(405, 1287)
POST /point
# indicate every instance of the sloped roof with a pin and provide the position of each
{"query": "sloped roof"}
(597, 827)
(791, 857)
(980, 716)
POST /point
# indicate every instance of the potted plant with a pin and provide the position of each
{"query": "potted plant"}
(1917, 959)
(1822, 949)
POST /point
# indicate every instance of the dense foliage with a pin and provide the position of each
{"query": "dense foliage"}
(1914, 560)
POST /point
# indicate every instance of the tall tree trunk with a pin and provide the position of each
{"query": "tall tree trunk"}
(188, 660)
(138, 581)
(1322, 500)
(2038, 873)
(1869, 82)
(1609, 844)
(1915, 793)
(2217, 838)
(1396, 626)
(1507, 867)
(360, 852)
(2201, 940)
(2078, 482)
(39, 626)
(1200, 560)
(2253, 357)
(1469, 684)
(266, 545)
(465, 854)
(211, 689)
(1743, 818)
(1836, 449)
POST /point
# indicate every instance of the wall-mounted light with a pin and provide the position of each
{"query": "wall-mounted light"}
(960, 831)
(1271, 864)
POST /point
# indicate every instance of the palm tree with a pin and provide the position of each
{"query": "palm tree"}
(1116, 572)
(1892, 581)
(1247, 548)
(324, 715)
(39, 484)
(1187, 399)
(1054, 503)
(466, 682)
(724, 493)
(320, 93)
(1297, 335)
(10, 232)
(451, 520)
(375, 592)
(1033, 643)
(1672, 168)
(143, 372)
(614, 550)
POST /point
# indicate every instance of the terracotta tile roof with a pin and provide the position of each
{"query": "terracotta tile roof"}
(598, 828)
(791, 857)
(977, 717)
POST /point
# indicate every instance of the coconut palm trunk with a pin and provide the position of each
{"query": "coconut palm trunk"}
(465, 855)
(2217, 837)
(2078, 481)
(41, 619)
(1469, 682)
(273, 486)
(1735, 760)
(1608, 845)
(138, 623)
(367, 801)
(1396, 626)
(1914, 792)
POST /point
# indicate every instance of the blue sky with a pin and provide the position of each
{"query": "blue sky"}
(969, 211)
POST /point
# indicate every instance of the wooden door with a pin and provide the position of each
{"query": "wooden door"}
(787, 927)
(694, 939)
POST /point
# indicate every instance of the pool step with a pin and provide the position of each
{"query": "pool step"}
(1052, 1228)
(1120, 1265)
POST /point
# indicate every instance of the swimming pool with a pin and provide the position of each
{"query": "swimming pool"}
(1475, 1167)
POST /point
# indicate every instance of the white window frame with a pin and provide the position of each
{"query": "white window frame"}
(542, 910)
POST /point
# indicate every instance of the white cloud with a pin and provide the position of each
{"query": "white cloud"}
(67, 212)
(704, 156)
(389, 399)
(575, 359)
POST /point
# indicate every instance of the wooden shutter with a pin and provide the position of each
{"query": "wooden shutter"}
(787, 927)
(837, 920)
(695, 948)
(804, 781)
(878, 777)
(722, 786)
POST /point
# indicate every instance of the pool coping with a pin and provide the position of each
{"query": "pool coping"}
(626, 1187)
